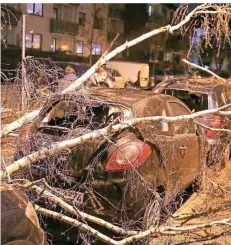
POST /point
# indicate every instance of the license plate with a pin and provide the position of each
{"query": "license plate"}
(78, 197)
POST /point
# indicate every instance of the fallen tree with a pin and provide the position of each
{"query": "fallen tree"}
(185, 21)
(15, 166)
(79, 219)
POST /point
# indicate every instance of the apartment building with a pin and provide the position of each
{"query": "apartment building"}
(80, 29)
(115, 23)
(159, 15)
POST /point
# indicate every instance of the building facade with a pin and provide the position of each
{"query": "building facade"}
(87, 30)
(81, 29)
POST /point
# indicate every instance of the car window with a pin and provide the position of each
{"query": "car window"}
(181, 127)
(69, 114)
(194, 101)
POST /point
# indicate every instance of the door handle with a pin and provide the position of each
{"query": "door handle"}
(183, 147)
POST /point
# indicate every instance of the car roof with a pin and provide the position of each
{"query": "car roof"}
(195, 84)
(126, 97)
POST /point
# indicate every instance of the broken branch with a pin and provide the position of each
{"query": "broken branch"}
(44, 152)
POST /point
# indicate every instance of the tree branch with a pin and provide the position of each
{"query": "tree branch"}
(18, 123)
(129, 44)
(44, 152)
(76, 223)
(164, 230)
(203, 69)
(55, 199)
(201, 9)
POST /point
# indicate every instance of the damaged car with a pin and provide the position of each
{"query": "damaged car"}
(123, 172)
(203, 94)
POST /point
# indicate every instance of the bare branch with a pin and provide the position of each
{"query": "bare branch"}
(164, 230)
(18, 123)
(203, 69)
(75, 223)
(55, 199)
(98, 133)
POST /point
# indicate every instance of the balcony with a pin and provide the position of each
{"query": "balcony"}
(65, 27)
(112, 35)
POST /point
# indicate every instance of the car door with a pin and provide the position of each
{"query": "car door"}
(186, 147)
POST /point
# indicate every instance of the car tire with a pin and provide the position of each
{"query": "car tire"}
(152, 214)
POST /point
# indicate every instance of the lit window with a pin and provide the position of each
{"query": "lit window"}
(96, 49)
(35, 8)
(33, 41)
(53, 46)
(149, 10)
(37, 41)
(79, 47)
(167, 57)
(28, 40)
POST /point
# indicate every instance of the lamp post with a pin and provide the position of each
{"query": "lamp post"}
(25, 87)
(24, 99)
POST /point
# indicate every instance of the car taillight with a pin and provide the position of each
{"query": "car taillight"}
(215, 122)
(129, 155)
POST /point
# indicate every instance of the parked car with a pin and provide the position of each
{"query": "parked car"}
(117, 79)
(201, 95)
(73, 67)
(132, 72)
(19, 222)
(136, 161)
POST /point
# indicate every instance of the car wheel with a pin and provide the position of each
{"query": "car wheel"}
(152, 214)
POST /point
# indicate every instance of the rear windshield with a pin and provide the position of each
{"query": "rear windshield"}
(69, 114)
(195, 101)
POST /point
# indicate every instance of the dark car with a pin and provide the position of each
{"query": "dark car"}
(19, 222)
(73, 67)
(122, 171)
(203, 94)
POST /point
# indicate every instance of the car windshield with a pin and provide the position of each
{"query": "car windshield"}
(69, 114)
(113, 72)
(195, 101)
